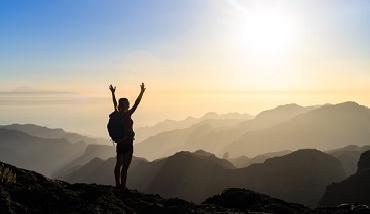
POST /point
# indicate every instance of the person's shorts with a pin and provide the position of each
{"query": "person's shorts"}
(123, 148)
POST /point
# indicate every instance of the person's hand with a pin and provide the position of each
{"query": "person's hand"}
(142, 87)
(112, 89)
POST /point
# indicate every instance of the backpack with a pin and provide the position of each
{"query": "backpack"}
(115, 126)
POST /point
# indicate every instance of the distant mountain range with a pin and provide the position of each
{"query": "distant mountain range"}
(49, 151)
(178, 168)
(213, 135)
(48, 133)
(196, 176)
(244, 161)
(143, 133)
(349, 156)
(193, 138)
(324, 128)
(92, 151)
(287, 127)
(40, 154)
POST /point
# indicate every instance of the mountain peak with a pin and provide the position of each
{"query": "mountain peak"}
(349, 105)
(210, 114)
(282, 111)
(33, 127)
(201, 152)
(289, 106)
(304, 153)
(364, 162)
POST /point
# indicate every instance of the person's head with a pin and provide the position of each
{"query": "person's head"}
(123, 104)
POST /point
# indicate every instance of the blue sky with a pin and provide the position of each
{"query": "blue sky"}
(41, 35)
(61, 38)
(198, 53)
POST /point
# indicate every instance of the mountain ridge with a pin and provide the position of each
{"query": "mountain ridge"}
(355, 189)
(41, 154)
(169, 125)
(194, 176)
(53, 133)
(185, 139)
(328, 127)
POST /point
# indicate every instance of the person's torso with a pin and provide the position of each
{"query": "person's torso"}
(127, 122)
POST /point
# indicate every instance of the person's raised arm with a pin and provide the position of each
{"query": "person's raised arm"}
(113, 90)
(138, 99)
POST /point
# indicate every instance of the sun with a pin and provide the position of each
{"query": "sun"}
(268, 33)
(268, 42)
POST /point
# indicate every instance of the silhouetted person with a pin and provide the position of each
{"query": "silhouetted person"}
(125, 140)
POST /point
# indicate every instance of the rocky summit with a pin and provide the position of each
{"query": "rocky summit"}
(34, 193)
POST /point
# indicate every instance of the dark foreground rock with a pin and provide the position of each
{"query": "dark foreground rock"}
(246, 200)
(34, 193)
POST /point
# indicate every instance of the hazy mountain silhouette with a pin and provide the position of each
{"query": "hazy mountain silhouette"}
(141, 171)
(36, 153)
(196, 176)
(98, 171)
(168, 125)
(196, 137)
(214, 135)
(191, 176)
(45, 132)
(277, 115)
(291, 178)
(188, 176)
(244, 161)
(328, 127)
(92, 151)
(349, 156)
(355, 189)
(240, 162)
(222, 162)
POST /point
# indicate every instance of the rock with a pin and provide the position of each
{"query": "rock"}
(247, 201)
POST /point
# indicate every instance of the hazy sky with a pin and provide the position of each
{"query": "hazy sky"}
(194, 55)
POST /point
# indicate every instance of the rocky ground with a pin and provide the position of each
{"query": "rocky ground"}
(34, 193)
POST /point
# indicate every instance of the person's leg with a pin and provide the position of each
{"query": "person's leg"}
(126, 164)
(117, 169)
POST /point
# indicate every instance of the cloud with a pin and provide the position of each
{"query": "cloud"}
(34, 91)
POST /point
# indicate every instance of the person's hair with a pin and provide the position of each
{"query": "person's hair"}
(123, 104)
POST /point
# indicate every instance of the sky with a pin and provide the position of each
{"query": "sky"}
(57, 58)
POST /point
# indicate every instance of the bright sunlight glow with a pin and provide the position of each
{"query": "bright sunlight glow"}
(268, 33)
(269, 40)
